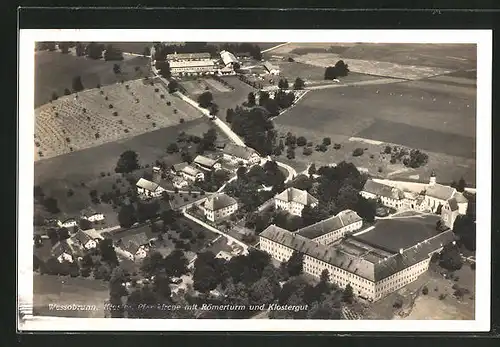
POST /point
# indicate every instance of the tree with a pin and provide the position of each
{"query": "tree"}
(450, 258)
(51, 205)
(77, 84)
(330, 73)
(283, 83)
(116, 68)
(205, 99)
(172, 148)
(152, 264)
(94, 50)
(299, 84)
(63, 234)
(327, 141)
(348, 294)
(295, 263)
(176, 263)
(127, 162)
(168, 217)
(387, 149)
(229, 115)
(263, 97)
(64, 47)
(127, 216)
(357, 152)
(112, 53)
(461, 185)
(465, 228)
(251, 99)
(207, 272)
(301, 141)
(107, 252)
(312, 170)
(79, 49)
(173, 86)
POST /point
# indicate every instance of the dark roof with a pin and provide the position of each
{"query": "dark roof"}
(460, 198)
(296, 195)
(204, 161)
(439, 191)
(219, 201)
(131, 247)
(453, 204)
(328, 225)
(269, 66)
(361, 263)
(60, 248)
(384, 190)
(393, 234)
(82, 236)
(179, 56)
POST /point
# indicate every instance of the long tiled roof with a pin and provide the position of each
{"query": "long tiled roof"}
(179, 166)
(82, 236)
(238, 151)
(219, 201)
(228, 57)
(296, 195)
(60, 248)
(194, 63)
(439, 191)
(380, 189)
(342, 219)
(180, 56)
(191, 171)
(460, 198)
(205, 161)
(270, 66)
(374, 268)
(148, 185)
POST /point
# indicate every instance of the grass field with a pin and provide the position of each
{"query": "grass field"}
(106, 114)
(54, 72)
(49, 289)
(57, 175)
(440, 122)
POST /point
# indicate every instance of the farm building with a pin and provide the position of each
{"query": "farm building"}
(193, 68)
(84, 240)
(63, 252)
(179, 182)
(389, 196)
(235, 153)
(294, 200)
(219, 206)
(67, 223)
(137, 244)
(188, 57)
(332, 229)
(91, 215)
(192, 174)
(207, 164)
(374, 263)
(271, 69)
(148, 189)
(228, 58)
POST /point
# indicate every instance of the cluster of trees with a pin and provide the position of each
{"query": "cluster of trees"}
(413, 158)
(340, 69)
(255, 127)
(130, 214)
(244, 47)
(337, 188)
(94, 50)
(128, 162)
(45, 46)
(281, 100)
(206, 100)
(207, 142)
(465, 226)
(213, 180)
(112, 53)
(460, 185)
(164, 70)
(260, 221)
(450, 258)
(49, 203)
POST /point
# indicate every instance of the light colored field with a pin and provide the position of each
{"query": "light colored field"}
(80, 119)
(372, 67)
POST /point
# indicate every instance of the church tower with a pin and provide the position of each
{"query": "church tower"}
(432, 179)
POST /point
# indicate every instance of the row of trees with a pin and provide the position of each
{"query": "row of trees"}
(299, 84)
(206, 100)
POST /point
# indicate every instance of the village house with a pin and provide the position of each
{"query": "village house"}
(332, 229)
(63, 252)
(137, 245)
(84, 240)
(294, 200)
(219, 206)
(148, 189)
(67, 223)
(240, 154)
(387, 195)
(192, 174)
(91, 215)
(207, 164)
(271, 69)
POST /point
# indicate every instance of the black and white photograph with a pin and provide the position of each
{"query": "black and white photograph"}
(311, 178)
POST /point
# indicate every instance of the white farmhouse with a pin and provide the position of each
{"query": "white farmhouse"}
(84, 240)
(294, 200)
(192, 174)
(149, 189)
(91, 215)
(237, 154)
(219, 206)
(207, 164)
(271, 69)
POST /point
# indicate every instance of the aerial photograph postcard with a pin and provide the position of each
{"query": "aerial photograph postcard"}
(279, 181)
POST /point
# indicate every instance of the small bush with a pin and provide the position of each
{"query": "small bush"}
(307, 151)
(97, 135)
(148, 116)
(175, 111)
(169, 103)
(442, 296)
(358, 152)
(425, 290)
(309, 144)
(181, 120)
(110, 106)
(162, 96)
(84, 110)
(126, 130)
(327, 141)
(154, 125)
(337, 146)
(392, 161)
(120, 121)
(106, 98)
(88, 119)
(156, 90)
(101, 92)
(398, 303)
(387, 150)
(301, 141)
(372, 156)
(68, 140)
(379, 169)
(115, 113)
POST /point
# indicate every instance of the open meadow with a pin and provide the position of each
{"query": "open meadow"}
(110, 113)
(54, 72)
(432, 116)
